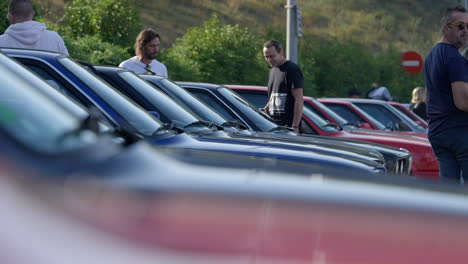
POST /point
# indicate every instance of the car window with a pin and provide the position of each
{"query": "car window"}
(213, 103)
(318, 121)
(31, 117)
(383, 115)
(401, 110)
(192, 102)
(168, 109)
(138, 118)
(315, 111)
(258, 100)
(330, 112)
(345, 112)
(247, 109)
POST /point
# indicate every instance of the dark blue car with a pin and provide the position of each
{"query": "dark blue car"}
(41, 135)
(84, 87)
(169, 111)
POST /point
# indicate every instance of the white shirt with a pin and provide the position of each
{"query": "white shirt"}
(134, 64)
(381, 93)
(32, 35)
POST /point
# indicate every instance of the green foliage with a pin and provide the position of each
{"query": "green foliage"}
(217, 53)
(115, 21)
(96, 51)
(392, 75)
(3, 20)
(340, 65)
(4, 23)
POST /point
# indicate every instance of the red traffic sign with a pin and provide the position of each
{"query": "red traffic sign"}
(412, 62)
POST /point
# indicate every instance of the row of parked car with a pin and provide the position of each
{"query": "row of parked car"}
(210, 124)
(208, 177)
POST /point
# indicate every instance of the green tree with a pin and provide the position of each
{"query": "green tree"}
(337, 66)
(96, 51)
(3, 20)
(392, 75)
(217, 53)
(115, 21)
(4, 23)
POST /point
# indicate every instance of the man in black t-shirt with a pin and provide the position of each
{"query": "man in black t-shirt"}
(285, 87)
(446, 77)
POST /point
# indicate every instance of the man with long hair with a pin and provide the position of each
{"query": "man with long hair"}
(146, 49)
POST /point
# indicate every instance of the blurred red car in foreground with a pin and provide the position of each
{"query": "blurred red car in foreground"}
(286, 221)
(259, 219)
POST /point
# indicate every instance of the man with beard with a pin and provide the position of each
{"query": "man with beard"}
(146, 49)
(446, 77)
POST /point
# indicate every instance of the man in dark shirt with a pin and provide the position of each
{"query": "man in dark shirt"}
(285, 87)
(446, 77)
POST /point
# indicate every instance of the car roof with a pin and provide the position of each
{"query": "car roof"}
(246, 87)
(41, 53)
(334, 100)
(209, 86)
(359, 100)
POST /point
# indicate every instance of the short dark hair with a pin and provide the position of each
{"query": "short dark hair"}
(447, 17)
(21, 8)
(145, 36)
(273, 43)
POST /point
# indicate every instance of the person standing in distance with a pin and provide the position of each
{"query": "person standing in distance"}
(418, 102)
(146, 49)
(26, 33)
(446, 77)
(285, 87)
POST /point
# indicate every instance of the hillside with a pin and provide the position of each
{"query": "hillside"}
(379, 24)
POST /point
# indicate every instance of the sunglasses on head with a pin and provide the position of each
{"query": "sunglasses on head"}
(459, 25)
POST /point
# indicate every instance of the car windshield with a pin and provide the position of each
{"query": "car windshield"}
(32, 118)
(341, 121)
(387, 115)
(400, 108)
(195, 104)
(167, 109)
(320, 122)
(138, 118)
(248, 109)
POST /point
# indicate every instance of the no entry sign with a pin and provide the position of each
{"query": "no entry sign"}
(412, 62)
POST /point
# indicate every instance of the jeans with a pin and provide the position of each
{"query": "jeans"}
(451, 150)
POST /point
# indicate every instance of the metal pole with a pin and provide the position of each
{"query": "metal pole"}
(291, 31)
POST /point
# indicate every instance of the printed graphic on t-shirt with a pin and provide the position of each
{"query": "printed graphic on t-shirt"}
(277, 103)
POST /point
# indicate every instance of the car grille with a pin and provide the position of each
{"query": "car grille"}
(403, 166)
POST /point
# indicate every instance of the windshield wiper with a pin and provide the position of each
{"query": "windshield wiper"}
(167, 127)
(90, 123)
(332, 125)
(281, 129)
(201, 123)
(350, 124)
(234, 123)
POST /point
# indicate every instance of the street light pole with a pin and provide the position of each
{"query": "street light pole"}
(291, 31)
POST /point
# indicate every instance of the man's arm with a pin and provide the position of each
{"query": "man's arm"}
(460, 95)
(298, 94)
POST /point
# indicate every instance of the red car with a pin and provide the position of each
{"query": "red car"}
(280, 220)
(424, 161)
(353, 113)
